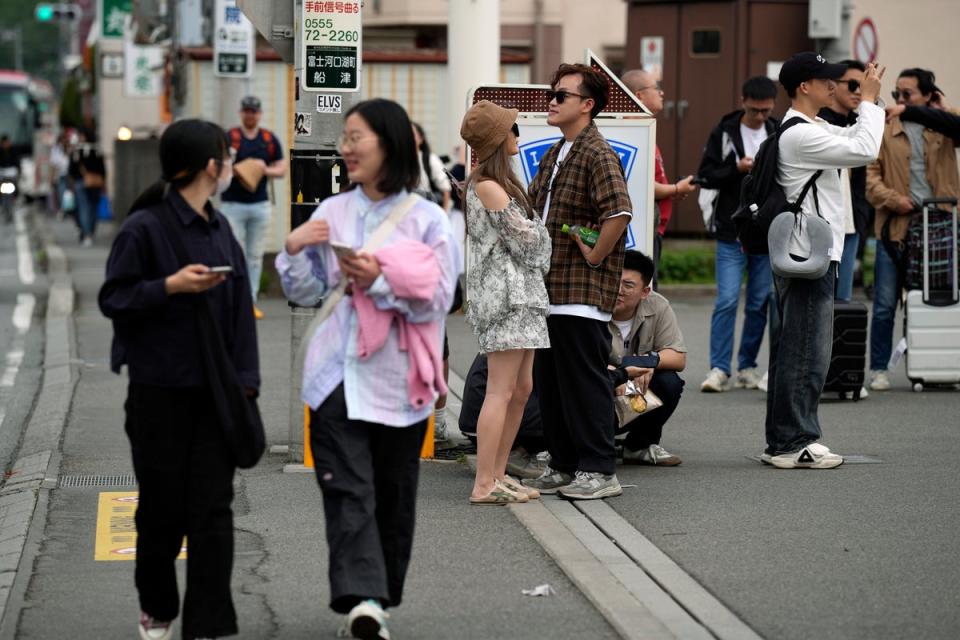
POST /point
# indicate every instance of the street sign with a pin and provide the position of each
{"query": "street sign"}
(865, 41)
(234, 41)
(331, 51)
(113, 16)
(651, 55)
(111, 65)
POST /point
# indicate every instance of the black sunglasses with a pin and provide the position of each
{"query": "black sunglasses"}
(852, 85)
(906, 93)
(561, 95)
(516, 131)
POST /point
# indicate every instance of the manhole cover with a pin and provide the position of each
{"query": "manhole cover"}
(110, 480)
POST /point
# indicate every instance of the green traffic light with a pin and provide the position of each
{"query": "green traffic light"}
(44, 12)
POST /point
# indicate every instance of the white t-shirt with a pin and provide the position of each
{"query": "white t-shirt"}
(624, 326)
(752, 139)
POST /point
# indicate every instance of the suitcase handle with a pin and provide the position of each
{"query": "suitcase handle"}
(954, 296)
(947, 200)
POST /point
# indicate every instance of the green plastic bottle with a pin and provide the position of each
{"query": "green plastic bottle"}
(589, 236)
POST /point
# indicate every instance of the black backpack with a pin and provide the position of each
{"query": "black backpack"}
(762, 198)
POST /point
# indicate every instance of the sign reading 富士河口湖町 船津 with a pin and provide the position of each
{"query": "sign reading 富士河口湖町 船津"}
(331, 52)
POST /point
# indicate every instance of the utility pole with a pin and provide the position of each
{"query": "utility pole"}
(473, 53)
(14, 36)
(327, 77)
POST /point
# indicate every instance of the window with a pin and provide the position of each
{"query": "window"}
(705, 42)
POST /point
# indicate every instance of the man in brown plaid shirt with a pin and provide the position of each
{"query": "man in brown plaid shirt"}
(580, 181)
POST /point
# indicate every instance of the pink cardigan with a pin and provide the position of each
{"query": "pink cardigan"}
(413, 272)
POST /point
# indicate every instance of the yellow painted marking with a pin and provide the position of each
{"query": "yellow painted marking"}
(116, 529)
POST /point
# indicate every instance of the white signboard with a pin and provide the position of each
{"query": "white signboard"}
(142, 70)
(633, 140)
(651, 55)
(330, 55)
(234, 41)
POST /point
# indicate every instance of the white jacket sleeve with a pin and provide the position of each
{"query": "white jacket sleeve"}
(826, 147)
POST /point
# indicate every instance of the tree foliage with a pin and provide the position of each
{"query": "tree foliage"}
(41, 42)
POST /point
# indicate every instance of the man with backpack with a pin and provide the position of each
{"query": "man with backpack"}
(246, 204)
(727, 158)
(809, 153)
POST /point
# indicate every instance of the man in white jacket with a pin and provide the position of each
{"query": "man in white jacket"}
(799, 363)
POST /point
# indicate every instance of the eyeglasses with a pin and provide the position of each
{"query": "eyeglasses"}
(656, 86)
(852, 85)
(561, 95)
(351, 141)
(905, 93)
(516, 131)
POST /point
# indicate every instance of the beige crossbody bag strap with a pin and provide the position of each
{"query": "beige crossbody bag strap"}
(377, 239)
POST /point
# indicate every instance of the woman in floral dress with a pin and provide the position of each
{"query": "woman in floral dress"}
(507, 300)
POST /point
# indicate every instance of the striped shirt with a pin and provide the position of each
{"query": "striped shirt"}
(375, 388)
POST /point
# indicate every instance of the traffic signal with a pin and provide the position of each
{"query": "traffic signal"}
(51, 12)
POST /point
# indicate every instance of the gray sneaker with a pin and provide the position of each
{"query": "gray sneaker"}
(654, 455)
(590, 485)
(524, 465)
(549, 481)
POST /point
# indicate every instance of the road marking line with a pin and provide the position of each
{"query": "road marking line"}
(23, 312)
(24, 255)
(116, 537)
(14, 358)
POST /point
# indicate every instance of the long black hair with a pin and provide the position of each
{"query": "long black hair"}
(425, 153)
(186, 147)
(392, 125)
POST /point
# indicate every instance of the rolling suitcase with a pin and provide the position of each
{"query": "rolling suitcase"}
(848, 359)
(932, 325)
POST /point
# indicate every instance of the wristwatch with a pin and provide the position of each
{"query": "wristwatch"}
(657, 355)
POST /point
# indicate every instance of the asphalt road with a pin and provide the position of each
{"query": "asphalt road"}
(863, 551)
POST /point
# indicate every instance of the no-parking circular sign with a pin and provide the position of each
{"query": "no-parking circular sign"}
(865, 41)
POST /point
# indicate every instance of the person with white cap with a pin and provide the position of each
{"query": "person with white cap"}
(507, 299)
(799, 364)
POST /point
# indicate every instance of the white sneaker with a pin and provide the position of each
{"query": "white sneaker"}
(762, 385)
(366, 621)
(879, 380)
(716, 381)
(151, 629)
(812, 456)
(653, 455)
(748, 378)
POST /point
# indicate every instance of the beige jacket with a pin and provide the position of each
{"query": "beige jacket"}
(888, 177)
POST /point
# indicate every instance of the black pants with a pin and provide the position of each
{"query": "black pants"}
(647, 429)
(576, 398)
(657, 250)
(186, 487)
(368, 474)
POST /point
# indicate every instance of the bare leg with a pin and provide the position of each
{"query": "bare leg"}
(503, 368)
(518, 402)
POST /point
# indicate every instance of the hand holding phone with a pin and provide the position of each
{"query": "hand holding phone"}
(221, 269)
(343, 250)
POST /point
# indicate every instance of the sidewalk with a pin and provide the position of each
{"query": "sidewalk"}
(467, 571)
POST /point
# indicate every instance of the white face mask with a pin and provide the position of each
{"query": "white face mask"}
(223, 184)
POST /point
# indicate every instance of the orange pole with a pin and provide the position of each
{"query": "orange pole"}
(307, 453)
(426, 451)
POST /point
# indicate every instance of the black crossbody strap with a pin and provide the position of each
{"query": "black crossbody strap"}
(803, 193)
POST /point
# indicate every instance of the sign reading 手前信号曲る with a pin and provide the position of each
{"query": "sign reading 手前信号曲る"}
(233, 41)
(331, 50)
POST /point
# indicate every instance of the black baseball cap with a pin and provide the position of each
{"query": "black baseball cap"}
(250, 102)
(808, 66)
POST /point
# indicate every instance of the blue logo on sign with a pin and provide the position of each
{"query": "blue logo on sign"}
(631, 240)
(532, 152)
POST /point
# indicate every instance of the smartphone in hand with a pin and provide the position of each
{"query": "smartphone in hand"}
(222, 269)
(343, 250)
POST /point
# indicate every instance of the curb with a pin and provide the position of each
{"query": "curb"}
(38, 459)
